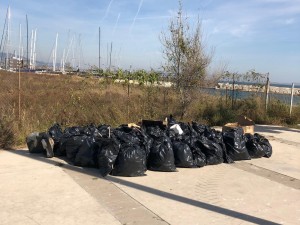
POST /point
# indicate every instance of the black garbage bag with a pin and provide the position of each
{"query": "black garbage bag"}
(184, 136)
(172, 135)
(126, 134)
(199, 157)
(87, 155)
(34, 142)
(191, 137)
(212, 150)
(182, 154)
(217, 137)
(68, 134)
(71, 146)
(155, 132)
(105, 130)
(254, 148)
(134, 136)
(91, 130)
(132, 157)
(40, 143)
(266, 146)
(161, 156)
(61, 149)
(71, 131)
(55, 133)
(145, 141)
(199, 128)
(235, 142)
(258, 146)
(108, 150)
(130, 162)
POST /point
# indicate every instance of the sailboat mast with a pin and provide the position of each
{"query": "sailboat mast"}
(111, 46)
(79, 51)
(20, 43)
(63, 62)
(33, 51)
(54, 53)
(27, 42)
(99, 49)
(8, 38)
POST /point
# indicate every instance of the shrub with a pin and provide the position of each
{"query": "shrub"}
(217, 113)
(73, 100)
(7, 134)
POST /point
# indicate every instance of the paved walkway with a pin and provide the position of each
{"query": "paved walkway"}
(37, 190)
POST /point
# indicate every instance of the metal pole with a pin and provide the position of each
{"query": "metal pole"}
(267, 91)
(292, 96)
(8, 39)
(99, 49)
(107, 55)
(27, 43)
(19, 102)
(110, 56)
(128, 94)
(233, 83)
(20, 40)
(54, 53)
(226, 93)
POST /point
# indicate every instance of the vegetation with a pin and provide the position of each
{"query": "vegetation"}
(186, 57)
(116, 96)
(257, 80)
(7, 133)
(74, 100)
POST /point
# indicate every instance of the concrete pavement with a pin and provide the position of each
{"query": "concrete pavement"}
(37, 190)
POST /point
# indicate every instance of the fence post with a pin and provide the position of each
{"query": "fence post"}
(128, 94)
(292, 96)
(226, 94)
(233, 83)
(267, 88)
(19, 95)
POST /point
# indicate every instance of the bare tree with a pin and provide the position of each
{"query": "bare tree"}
(186, 56)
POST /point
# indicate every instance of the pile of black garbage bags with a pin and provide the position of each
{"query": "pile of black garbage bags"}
(131, 150)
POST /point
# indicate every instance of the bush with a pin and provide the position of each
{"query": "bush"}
(254, 108)
(278, 113)
(217, 114)
(295, 117)
(7, 136)
(73, 100)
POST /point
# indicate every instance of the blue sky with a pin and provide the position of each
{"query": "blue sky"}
(246, 34)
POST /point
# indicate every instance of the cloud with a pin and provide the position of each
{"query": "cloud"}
(240, 31)
(289, 21)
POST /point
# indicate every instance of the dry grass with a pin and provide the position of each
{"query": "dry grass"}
(73, 100)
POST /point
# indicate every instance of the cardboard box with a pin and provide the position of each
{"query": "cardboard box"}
(242, 121)
(151, 123)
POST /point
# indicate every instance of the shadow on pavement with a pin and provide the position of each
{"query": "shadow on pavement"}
(274, 129)
(94, 172)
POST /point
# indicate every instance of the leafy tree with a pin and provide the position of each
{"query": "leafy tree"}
(186, 57)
